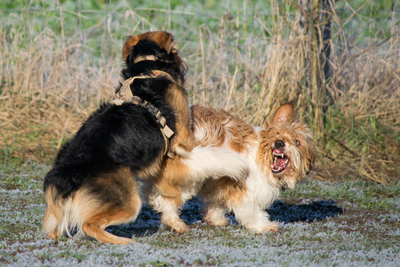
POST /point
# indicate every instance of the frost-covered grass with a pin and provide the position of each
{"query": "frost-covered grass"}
(335, 224)
(60, 59)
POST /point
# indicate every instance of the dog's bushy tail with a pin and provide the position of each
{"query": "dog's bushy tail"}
(60, 184)
(57, 213)
(216, 162)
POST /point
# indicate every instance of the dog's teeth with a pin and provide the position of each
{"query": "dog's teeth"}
(286, 161)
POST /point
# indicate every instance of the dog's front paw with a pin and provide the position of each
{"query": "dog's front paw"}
(175, 224)
(179, 227)
(270, 227)
(266, 227)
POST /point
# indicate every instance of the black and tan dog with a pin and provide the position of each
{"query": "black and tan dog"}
(184, 167)
(90, 186)
(167, 191)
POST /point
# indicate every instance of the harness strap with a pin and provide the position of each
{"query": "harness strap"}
(162, 122)
(125, 95)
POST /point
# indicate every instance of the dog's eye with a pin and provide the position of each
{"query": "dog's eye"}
(297, 142)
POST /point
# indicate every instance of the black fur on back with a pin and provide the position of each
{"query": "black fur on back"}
(118, 135)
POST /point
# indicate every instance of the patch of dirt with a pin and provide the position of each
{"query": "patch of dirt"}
(8, 186)
(359, 220)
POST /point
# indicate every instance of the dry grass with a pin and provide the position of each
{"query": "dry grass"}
(48, 89)
(51, 82)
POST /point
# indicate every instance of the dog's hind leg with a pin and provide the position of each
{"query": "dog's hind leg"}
(112, 199)
(94, 227)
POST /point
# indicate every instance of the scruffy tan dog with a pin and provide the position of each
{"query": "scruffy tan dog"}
(278, 156)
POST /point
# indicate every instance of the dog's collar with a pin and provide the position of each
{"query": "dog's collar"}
(150, 58)
(125, 95)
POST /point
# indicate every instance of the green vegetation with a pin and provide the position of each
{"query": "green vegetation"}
(339, 227)
(61, 59)
(361, 194)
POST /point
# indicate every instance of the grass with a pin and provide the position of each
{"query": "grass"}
(322, 224)
(247, 58)
(60, 61)
(363, 194)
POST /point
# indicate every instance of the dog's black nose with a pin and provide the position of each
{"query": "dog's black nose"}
(279, 144)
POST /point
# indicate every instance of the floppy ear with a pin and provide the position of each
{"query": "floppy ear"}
(284, 113)
(173, 48)
(129, 44)
(164, 40)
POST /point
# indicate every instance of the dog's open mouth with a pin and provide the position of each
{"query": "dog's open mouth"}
(280, 161)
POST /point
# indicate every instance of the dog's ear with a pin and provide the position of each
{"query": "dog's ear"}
(129, 44)
(175, 51)
(284, 113)
(164, 40)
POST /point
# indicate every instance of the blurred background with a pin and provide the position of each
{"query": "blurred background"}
(336, 61)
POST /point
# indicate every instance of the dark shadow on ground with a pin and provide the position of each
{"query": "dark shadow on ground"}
(148, 221)
(316, 211)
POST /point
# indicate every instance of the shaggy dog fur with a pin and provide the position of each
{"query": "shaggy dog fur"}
(184, 169)
(91, 185)
(278, 156)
